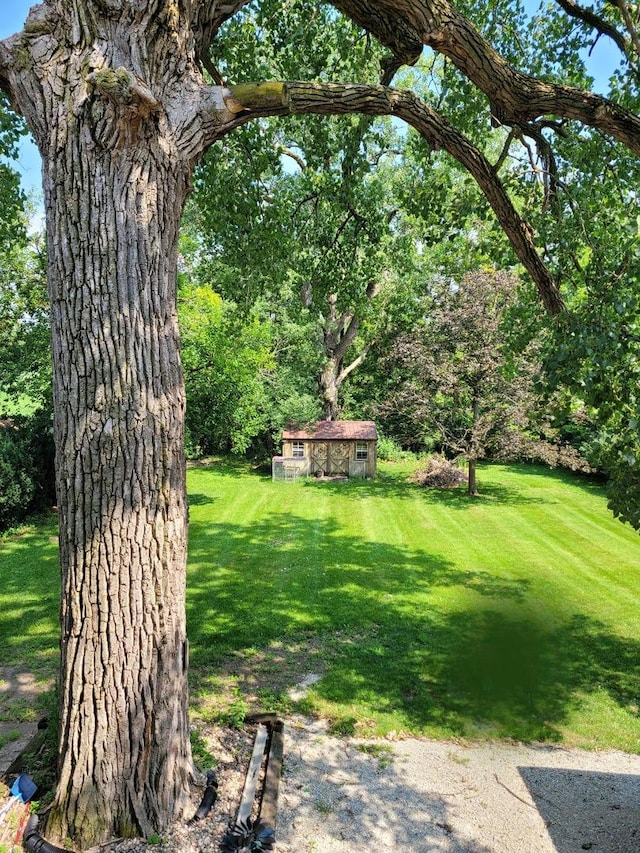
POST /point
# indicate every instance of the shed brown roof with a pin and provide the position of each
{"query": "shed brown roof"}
(333, 431)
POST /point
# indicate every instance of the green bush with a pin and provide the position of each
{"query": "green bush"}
(17, 485)
(26, 467)
(390, 451)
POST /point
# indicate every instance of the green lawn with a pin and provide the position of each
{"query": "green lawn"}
(513, 615)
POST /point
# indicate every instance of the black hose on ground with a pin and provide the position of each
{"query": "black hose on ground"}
(209, 798)
(33, 842)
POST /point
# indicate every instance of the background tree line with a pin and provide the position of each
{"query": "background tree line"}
(356, 274)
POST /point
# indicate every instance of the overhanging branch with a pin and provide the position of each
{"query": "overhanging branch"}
(209, 16)
(514, 97)
(253, 100)
(588, 16)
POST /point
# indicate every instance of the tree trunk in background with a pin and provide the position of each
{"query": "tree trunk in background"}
(339, 332)
(473, 485)
(474, 450)
(329, 387)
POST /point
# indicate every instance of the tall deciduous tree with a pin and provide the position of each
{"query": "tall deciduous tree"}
(115, 97)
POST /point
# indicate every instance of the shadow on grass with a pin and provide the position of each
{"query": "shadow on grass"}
(400, 484)
(196, 499)
(29, 627)
(394, 484)
(485, 667)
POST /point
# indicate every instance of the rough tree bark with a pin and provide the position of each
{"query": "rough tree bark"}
(117, 156)
(339, 332)
(119, 403)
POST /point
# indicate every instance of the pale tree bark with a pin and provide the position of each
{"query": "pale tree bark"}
(120, 115)
(339, 332)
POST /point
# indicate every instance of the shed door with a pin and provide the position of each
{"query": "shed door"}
(319, 456)
(338, 458)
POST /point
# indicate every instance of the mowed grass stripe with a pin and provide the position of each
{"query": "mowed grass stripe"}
(513, 615)
(500, 616)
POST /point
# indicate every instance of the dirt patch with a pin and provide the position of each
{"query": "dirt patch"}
(19, 685)
(257, 680)
(14, 738)
(342, 795)
(345, 795)
(21, 706)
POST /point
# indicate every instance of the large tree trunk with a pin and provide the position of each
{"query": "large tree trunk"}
(329, 387)
(339, 332)
(124, 753)
(117, 158)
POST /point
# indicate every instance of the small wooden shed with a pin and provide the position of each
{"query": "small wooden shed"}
(328, 448)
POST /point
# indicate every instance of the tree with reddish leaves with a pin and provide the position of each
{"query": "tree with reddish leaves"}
(455, 379)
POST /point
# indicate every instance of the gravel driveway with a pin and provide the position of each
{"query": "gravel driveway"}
(421, 795)
(343, 795)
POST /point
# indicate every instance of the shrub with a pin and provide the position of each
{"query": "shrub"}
(390, 451)
(17, 484)
(26, 467)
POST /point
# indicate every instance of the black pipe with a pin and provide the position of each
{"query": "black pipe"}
(33, 842)
(209, 798)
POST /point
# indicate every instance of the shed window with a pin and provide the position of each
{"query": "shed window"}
(297, 449)
(362, 450)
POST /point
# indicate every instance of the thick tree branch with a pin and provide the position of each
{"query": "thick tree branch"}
(10, 48)
(587, 16)
(346, 371)
(339, 331)
(401, 39)
(209, 16)
(514, 97)
(333, 99)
